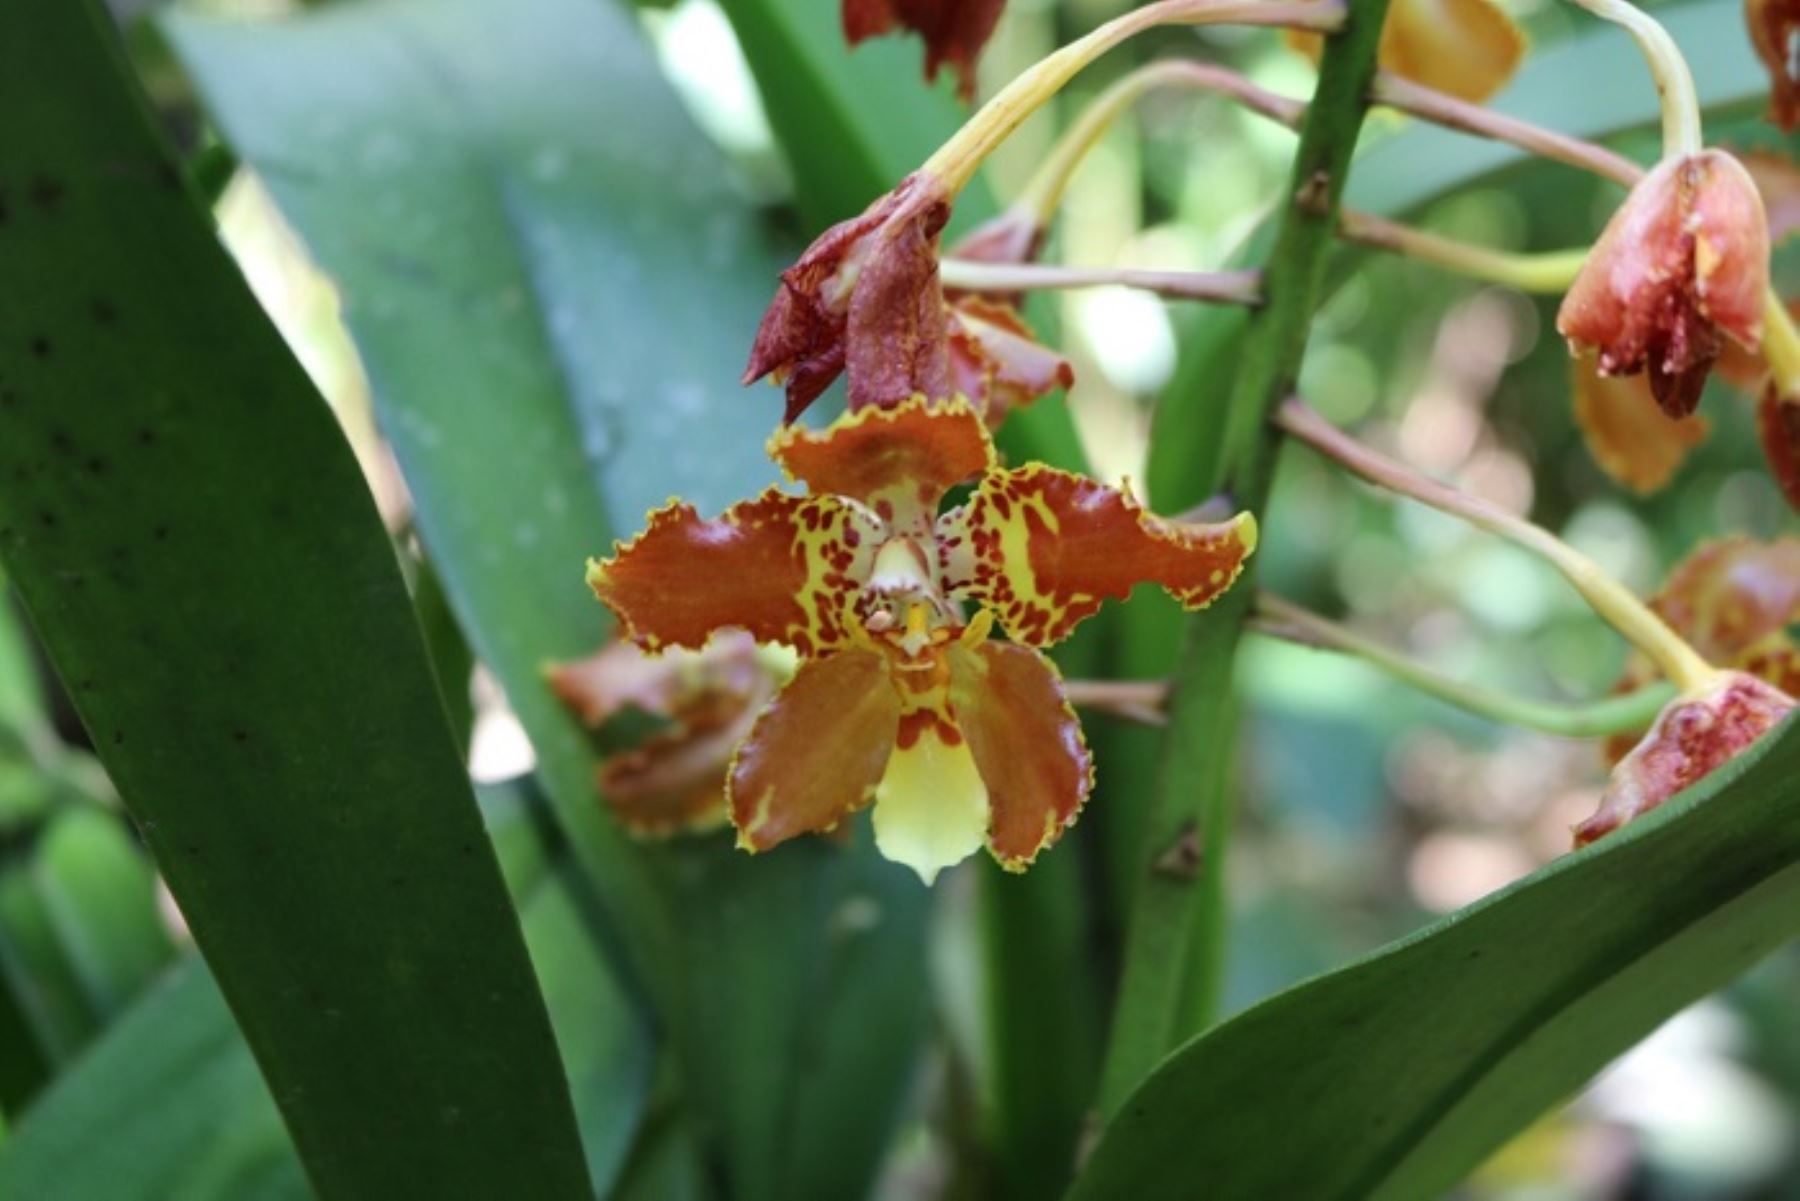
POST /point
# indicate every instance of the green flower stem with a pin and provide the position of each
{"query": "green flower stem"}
(1175, 936)
(1043, 195)
(1218, 287)
(1548, 273)
(956, 162)
(1675, 82)
(1610, 599)
(1278, 618)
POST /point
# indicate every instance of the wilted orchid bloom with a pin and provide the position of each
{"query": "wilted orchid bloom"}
(866, 298)
(954, 30)
(1682, 265)
(995, 359)
(673, 780)
(901, 698)
(1774, 24)
(1467, 48)
(1733, 600)
(1695, 735)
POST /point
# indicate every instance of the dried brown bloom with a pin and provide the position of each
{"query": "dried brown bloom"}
(1693, 737)
(865, 297)
(1773, 26)
(1627, 433)
(954, 30)
(1682, 265)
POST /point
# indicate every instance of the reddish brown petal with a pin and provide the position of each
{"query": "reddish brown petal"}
(1627, 432)
(1027, 744)
(1732, 594)
(784, 568)
(898, 461)
(1683, 263)
(1013, 237)
(895, 337)
(1778, 422)
(817, 752)
(675, 781)
(1692, 737)
(997, 362)
(954, 30)
(1773, 25)
(1043, 548)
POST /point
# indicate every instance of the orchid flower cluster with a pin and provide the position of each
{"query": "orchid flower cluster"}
(907, 545)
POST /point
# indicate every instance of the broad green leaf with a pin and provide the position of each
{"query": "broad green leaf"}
(1393, 1077)
(169, 1104)
(43, 990)
(193, 540)
(553, 286)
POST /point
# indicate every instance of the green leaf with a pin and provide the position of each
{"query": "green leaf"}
(43, 991)
(191, 535)
(100, 897)
(553, 285)
(1394, 1077)
(168, 1104)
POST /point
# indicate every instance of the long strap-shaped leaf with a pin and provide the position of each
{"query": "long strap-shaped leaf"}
(193, 541)
(1393, 1077)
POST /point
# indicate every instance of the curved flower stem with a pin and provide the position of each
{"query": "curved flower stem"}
(956, 162)
(1278, 618)
(1440, 108)
(1043, 195)
(1220, 287)
(1609, 598)
(1136, 700)
(1675, 82)
(1550, 272)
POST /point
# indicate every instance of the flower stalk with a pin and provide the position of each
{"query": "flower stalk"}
(1615, 603)
(1674, 81)
(1632, 711)
(1549, 272)
(956, 162)
(1219, 287)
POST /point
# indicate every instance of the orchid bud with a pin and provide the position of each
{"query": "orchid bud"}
(1682, 265)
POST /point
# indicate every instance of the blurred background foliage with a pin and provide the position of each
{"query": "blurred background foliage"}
(1365, 809)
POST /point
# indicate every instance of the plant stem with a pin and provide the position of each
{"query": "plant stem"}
(1177, 916)
(956, 162)
(1043, 195)
(1610, 599)
(1549, 273)
(1631, 711)
(1135, 700)
(1680, 104)
(1440, 108)
(1221, 287)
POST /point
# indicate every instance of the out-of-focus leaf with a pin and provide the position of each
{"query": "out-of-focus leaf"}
(43, 990)
(1592, 85)
(198, 551)
(553, 286)
(100, 896)
(542, 263)
(1393, 1077)
(21, 700)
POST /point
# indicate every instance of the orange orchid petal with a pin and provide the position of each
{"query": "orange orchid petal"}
(817, 752)
(781, 567)
(620, 676)
(675, 781)
(1778, 421)
(1027, 743)
(1468, 48)
(1773, 25)
(1044, 547)
(997, 362)
(1627, 432)
(899, 461)
(1730, 595)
